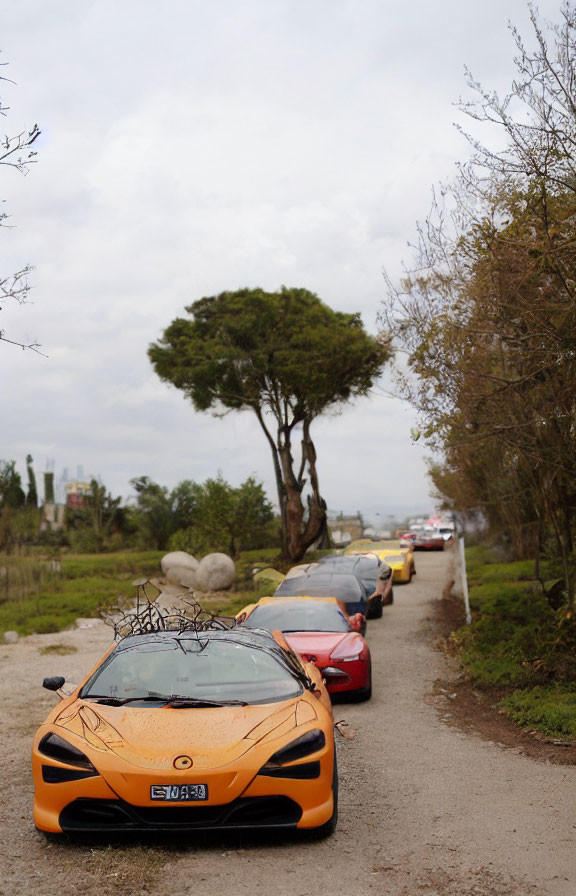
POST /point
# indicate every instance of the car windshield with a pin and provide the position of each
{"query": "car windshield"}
(342, 587)
(298, 616)
(192, 668)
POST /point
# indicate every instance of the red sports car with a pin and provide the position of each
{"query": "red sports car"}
(320, 631)
(429, 540)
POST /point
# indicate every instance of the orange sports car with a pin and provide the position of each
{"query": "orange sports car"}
(184, 730)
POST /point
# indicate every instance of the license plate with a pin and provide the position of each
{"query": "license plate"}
(179, 792)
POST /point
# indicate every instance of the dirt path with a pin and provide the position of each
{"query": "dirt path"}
(425, 809)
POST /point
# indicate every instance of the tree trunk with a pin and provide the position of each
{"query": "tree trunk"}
(281, 491)
(298, 533)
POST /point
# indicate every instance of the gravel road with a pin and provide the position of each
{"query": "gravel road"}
(425, 808)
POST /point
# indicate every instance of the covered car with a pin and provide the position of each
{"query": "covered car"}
(368, 568)
(321, 632)
(186, 730)
(344, 587)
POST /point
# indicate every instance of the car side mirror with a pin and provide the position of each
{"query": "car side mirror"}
(53, 684)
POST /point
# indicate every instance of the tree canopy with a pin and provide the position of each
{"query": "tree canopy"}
(488, 313)
(287, 357)
(202, 517)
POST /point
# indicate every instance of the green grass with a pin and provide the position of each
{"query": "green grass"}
(41, 601)
(550, 709)
(518, 645)
(88, 583)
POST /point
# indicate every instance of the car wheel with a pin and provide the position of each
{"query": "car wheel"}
(390, 598)
(328, 828)
(366, 693)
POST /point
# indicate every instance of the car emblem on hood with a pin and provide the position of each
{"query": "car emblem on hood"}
(182, 762)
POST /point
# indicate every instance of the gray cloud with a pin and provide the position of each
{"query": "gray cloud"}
(192, 148)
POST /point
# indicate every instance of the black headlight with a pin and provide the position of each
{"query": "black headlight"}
(302, 746)
(56, 747)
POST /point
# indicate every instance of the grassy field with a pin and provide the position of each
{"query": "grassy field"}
(518, 647)
(34, 597)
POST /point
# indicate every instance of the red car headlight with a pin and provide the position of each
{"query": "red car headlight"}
(348, 650)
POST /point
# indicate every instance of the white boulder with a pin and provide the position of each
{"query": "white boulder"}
(215, 572)
(180, 568)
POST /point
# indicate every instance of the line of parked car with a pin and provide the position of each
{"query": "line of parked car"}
(196, 723)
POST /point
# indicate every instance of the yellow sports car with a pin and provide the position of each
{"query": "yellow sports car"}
(185, 729)
(400, 560)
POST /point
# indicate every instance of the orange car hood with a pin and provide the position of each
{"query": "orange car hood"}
(152, 737)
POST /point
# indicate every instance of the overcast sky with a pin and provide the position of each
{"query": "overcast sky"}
(191, 147)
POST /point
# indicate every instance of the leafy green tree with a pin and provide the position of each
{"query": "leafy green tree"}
(32, 496)
(94, 527)
(19, 520)
(153, 512)
(488, 314)
(11, 491)
(227, 519)
(288, 358)
(253, 517)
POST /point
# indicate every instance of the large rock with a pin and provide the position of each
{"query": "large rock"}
(215, 572)
(10, 637)
(180, 568)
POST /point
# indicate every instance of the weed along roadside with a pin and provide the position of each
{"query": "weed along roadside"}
(519, 654)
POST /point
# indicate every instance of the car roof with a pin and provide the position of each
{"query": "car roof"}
(290, 599)
(321, 584)
(257, 639)
(363, 561)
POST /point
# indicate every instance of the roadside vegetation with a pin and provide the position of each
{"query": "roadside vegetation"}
(50, 575)
(38, 596)
(486, 317)
(518, 648)
(486, 313)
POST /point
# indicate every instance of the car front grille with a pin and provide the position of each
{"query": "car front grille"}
(90, 815)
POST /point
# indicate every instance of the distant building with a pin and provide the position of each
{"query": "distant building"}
(77, 493)
(52, 517)
(344, 529)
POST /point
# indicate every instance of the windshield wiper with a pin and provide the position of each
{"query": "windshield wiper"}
(174, 700)
(120, 701)
(186, 702)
